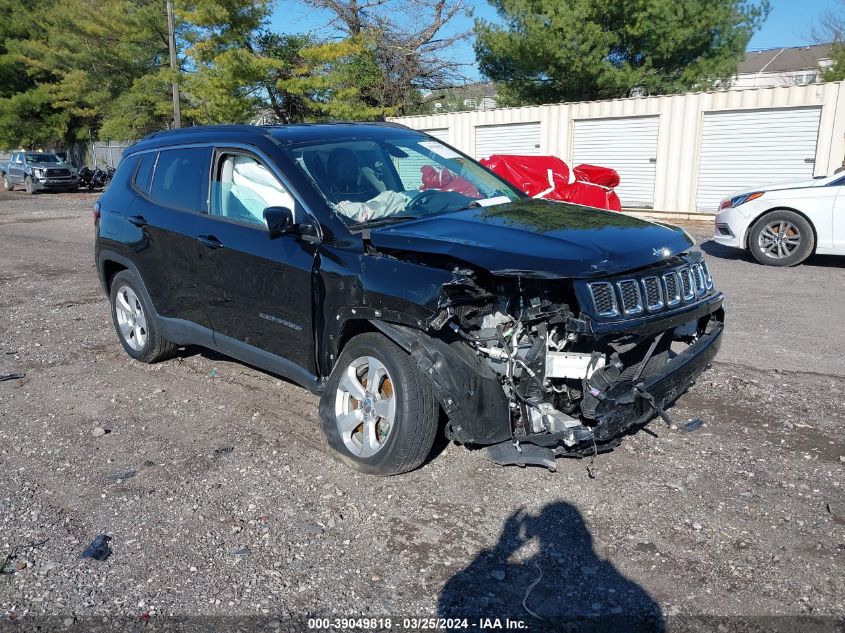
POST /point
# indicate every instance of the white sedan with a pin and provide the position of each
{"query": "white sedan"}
(784, 224)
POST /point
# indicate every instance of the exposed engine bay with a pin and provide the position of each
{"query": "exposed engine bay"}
(573, 383)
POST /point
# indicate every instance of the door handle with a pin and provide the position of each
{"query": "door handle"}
(138, 220)
(209, 241)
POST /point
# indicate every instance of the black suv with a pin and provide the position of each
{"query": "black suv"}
(399, 279)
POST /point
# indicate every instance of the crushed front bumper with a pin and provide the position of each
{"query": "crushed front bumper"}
(624, 407)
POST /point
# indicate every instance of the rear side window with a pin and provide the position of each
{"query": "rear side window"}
(180, 178)
(145, 172)
(119, 183)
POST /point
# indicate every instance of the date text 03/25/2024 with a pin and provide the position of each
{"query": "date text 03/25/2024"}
(415, 624)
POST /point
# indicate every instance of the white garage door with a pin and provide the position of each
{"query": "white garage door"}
(514, 138)
(628, 145)
(754, 147)
(441, 134)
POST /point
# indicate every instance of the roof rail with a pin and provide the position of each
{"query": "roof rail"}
(264, 130)
(202, 128)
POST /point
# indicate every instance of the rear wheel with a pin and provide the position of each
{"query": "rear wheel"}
(781, 238)
(379, 415)
(135, 322)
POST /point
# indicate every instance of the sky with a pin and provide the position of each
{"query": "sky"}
(790, 23)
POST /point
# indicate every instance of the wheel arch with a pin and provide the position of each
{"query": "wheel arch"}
(468, 391)
(108, 260)
(756, 218)
(110, 268)
(349, 330)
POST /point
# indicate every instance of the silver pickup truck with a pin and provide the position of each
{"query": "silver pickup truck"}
(39, 171)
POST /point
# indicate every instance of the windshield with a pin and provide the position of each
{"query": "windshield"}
(374, 181)
(43, 158)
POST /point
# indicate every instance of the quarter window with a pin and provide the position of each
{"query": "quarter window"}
(145, 172)
(180, 178)
(243, 187)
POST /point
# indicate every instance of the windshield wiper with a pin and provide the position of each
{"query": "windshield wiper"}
(389, 219)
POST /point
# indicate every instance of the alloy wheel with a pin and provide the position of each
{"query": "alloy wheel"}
(131, 321)
(365, 406)
(779, 239)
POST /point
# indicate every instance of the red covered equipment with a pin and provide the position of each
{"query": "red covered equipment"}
(550, 178)
(444, 180)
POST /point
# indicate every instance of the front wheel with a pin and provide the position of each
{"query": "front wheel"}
(29, 185)
(781, 238)
(378, 414)
(7, 184)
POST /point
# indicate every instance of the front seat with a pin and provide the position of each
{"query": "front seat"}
(345, 181)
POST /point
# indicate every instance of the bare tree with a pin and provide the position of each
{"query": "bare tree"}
(830, 29)
(831, 25)
(413, 40)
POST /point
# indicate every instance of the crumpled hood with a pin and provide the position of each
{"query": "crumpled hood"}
(538, 238)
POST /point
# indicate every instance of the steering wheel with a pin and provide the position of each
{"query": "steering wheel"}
(419, 199)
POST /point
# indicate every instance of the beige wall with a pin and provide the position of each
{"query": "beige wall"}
(678, 132)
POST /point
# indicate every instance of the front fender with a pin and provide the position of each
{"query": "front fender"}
(351, 287)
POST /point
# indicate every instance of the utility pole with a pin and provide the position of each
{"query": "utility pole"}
(174, 66)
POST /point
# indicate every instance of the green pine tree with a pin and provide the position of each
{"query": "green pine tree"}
(572, 50)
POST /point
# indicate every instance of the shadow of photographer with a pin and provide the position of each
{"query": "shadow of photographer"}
(544, 571)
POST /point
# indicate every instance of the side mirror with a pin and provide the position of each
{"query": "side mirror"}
(279, 220)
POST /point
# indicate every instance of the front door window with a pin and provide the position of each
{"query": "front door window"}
(243, 187)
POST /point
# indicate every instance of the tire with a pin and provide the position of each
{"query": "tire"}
(781, 238)
(135, 321)
(404, 397)
(30, 186)
(7, 184)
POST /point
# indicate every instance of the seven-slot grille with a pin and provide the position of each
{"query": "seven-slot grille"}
(651, 293)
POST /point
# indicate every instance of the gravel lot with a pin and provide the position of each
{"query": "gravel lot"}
(210, 479)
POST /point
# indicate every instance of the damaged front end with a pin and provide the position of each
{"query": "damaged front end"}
(534, 368)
